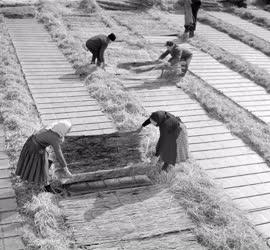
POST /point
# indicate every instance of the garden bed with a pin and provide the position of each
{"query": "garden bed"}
(92, 153)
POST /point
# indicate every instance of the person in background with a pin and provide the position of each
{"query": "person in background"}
(172, 146)
(33, 164)
(180, 56)
(195, 6)
(97, 46)
(191, 8)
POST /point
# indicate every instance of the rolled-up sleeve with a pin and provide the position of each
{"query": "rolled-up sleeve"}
(55, 141)
(146, 122)
(59, 155)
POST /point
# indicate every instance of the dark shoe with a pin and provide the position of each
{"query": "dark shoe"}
(187, 27)
(191, 34)
(165, 167)
(49, 189)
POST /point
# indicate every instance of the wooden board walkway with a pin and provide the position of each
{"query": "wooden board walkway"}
(10, 221)
(57, 91)
(224, 156)
(210, 144)
(243, 24)
(146, 218)
(227, 43)
(244, 92)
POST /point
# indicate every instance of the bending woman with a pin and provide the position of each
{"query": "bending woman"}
(33, 164)
(172, 146)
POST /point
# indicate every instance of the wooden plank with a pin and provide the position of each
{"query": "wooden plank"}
(59, 94)
(239, 170)
(49, 91)
(182, 106)
(65, 115)
(69, 99)
(215, 145)
(51, 87)
(69, 109)
(98, 119)
(46, 106)
(180, 112)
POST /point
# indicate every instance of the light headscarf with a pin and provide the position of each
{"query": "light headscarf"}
(60, 127)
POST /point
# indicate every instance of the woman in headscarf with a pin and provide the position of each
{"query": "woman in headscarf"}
(33, 163)
(172, 146)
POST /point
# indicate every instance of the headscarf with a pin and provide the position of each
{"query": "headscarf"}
(158, 116)
(60, 127)
(161, 116)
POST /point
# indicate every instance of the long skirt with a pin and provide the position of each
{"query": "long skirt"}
(173, 147)
(33, 162)
(182, 145)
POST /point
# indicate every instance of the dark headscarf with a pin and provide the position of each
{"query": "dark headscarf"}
(161, 116)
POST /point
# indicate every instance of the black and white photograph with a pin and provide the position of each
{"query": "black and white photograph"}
(134, 124)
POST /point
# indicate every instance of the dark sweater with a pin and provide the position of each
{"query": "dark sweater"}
(46, 138)
(177, 54)
(97, 45)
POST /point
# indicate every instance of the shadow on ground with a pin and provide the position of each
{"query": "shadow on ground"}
(109, 201)
(167, 77)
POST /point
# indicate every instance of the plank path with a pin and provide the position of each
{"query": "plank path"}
(243, 174)
(57, 91)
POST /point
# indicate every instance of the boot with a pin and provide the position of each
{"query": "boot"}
(191, 30)
(165, 167)
(185, 34)
(186, 28)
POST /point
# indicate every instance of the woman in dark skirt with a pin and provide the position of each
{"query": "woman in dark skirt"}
(172, 146)
(33, 163)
